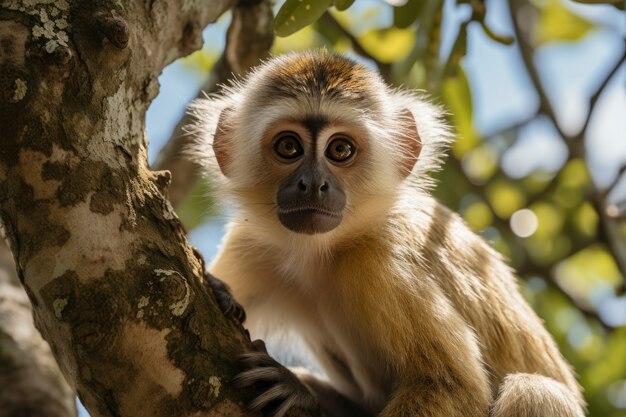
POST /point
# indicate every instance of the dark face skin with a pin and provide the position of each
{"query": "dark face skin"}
(311, 200)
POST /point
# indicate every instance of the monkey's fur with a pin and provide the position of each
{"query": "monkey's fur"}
(408, 312)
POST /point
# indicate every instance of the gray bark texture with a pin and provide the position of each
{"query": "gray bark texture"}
(115, 288)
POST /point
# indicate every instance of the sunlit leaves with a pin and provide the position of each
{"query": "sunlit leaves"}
(613, 363)
(585, 219)
(548, 243)
(586, 271)
(301, 40)
(558, 24)
(480, 163)
(458, 98)
(505, 198)
(478, 215)
(551, 219)
(389, 44)
(296, 14)
(573, 182)
(575, 174)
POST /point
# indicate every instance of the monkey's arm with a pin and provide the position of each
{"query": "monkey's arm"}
(229, 306)
(225, 300)
(445, 390)
(441, 372)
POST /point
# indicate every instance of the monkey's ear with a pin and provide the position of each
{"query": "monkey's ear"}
(222, 142)
(410, 142)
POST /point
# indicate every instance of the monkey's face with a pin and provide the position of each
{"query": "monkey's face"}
(318, 172)
(310, 153)
(314, 144)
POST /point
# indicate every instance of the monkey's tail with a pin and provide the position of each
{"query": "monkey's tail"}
(533, 395)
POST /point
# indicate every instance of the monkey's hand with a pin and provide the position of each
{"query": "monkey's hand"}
(279, 389)
(229, 306)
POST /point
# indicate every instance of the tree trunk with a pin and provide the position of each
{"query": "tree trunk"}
(115, 287)
(30, 381)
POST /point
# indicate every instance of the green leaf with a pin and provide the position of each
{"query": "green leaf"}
(558, 24)
(388, 45)
(458, 98)
(575, 174)
(404, 16)
(505, 198)
(343, 4)
(299, 41)
(296, 14)
(585, 220)
(551, 219)
(587, 270)
(480, 164)
(478, 215)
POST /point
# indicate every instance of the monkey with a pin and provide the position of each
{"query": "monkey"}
(335, 236)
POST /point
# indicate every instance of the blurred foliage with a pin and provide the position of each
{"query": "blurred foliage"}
(202, 60)
(568, 264)
(558, 24)
(198, 206)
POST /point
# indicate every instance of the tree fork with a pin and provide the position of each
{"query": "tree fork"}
(115, 287)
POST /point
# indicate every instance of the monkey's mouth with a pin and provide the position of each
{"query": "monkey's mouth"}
(309, 219)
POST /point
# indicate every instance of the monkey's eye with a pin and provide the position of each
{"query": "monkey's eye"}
(340, 149)
(287, 145)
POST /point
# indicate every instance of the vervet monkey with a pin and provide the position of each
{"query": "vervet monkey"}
(335, 236)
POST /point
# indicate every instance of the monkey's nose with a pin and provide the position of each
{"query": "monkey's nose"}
(308, 186)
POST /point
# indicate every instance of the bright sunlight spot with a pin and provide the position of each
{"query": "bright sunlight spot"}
(524, 223)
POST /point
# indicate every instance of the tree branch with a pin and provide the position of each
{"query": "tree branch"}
(594, 98)
(527, 53)
(248, 41)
